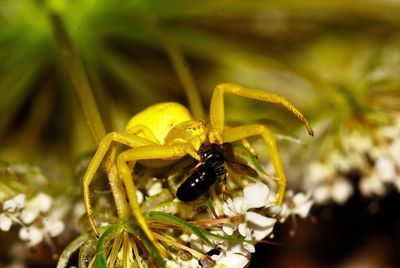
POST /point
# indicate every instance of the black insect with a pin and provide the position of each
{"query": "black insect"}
(210, 170)
(203, 175)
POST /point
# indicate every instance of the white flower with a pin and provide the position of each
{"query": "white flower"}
(17, 209)
(5, 222)
(41, 203)
(199, 245)
(234, 256)
(140, 197)
(34, 235)
(394, 150)
(385, 168)
(372, 185)
(179, 263)
(339, 191)
(321, 194)
(296, 204)
(53, 227)
(318, 172)
(14, 204)
(11, 211)
(358, 142)
(374, 160)
(153, 186)
(255, 226)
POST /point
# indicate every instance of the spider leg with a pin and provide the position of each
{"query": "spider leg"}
(144, 130)
(129, 140)
(249, 148)
(242, 132)
(187, 146)
(144, 153)
(217, 116)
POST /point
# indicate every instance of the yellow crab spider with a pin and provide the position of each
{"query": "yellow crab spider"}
(167, 131)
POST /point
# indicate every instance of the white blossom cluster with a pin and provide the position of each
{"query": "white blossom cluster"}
(33, 218)
(258, 214)
(372, 154)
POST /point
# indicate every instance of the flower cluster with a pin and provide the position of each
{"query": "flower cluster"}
(367, 157)
(249, 217)
(32, 215)
(25, 206)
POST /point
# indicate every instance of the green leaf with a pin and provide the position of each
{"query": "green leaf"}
(183, 210)
(87, 251)
(109, 234)
(156, 200)
(228, 238)
(71, 248)
(134, 229)
(163, 217)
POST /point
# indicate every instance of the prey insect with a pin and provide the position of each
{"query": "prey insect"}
(216, 161)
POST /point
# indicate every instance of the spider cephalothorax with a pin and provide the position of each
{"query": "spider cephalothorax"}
(167, 131)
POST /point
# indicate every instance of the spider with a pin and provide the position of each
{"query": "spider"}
(167, 131)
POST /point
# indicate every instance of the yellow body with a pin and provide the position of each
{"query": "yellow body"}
(160, 119)
(167, 123)
(167, 132)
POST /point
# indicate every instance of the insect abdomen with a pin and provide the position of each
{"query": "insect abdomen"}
(197, 184)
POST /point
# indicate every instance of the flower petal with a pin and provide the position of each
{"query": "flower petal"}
(155, 187)
(15, 203)
(43, 201)
(53, 227)
(371, 185)
(29, 215)
(228, 208)
(260, 225)
(385, 168)
(140, 197)
(259, 220)
(228, 229)
(32, 235)
(249, 246)
(242, 229)
(5, 222)
(342, 190)
(197, 244)
(234, 261)
(20, 200)
(302, 205)
(321, 194)
(255, 195)
(238, 205)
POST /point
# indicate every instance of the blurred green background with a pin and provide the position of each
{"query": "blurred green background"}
(335, 60)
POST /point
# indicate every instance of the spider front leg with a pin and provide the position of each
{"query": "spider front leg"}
(242, 132)
(123, 138)
(163, 152)
(217, 116)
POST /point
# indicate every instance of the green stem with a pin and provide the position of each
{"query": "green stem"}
(181, 68)
(79, 78)
(84, 91)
